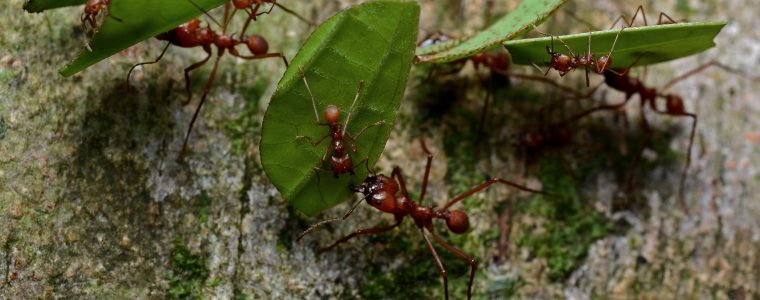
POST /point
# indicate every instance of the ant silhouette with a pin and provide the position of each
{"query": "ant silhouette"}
(90, 16)
(191, 35)
(340, 160)
(565, 63)
(382, 193)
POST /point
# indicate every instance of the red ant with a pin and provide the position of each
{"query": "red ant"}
(89, 16)
(191, 35)
(340, 161)
(564, 63)
(674, 106)
(382, 193)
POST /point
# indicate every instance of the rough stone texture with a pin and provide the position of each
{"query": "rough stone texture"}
(93, 202)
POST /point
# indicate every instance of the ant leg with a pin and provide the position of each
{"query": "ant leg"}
(319, 141)
(598, 108)
(351, 109)
(428, 165)
(261, 56)
(472, 262)
(354, 137)
(193, 67)
(306, 83)
(360, 232)
(295, 14)
(688, 155)
(206, 89)
(621, 17)
(662, 14)
(488, 183)
(323, 222)
(129, 74)
(544, 80)
(251, 17)
(644, 142)
(438, 262)
(696, 70)
(396, 174)
(643, 15)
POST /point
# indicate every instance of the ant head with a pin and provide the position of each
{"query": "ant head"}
(257, 44)
(94, 6)
(332, 114)
(242, 4)
(604, 62)
(379, 191)
(457, 221)
(674, 104)
(560, 60)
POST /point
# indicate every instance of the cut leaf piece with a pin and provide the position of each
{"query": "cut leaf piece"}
(514, 24)
(35, 6)
(140, 20)
(373, 42)
(649, 45)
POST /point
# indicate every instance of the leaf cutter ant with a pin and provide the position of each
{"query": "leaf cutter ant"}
(389, 195)
(340, 160)
(192, 35)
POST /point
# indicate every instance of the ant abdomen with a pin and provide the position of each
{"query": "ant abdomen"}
(457, 221)
(257, 44)
(674, 104)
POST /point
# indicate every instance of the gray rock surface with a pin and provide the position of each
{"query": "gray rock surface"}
(94, 204)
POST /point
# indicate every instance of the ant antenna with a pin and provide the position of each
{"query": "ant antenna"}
(313, 102)
(295, 14)
(351, 109)
(129, 74)
(205, 12)
(323, 222)
(572, 53)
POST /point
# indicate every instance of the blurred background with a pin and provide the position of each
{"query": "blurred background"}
(93, 203)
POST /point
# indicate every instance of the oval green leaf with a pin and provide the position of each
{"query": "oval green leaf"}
(373, 42)
(643, 45)
(35, 6)
(518, 22)
(140, 20)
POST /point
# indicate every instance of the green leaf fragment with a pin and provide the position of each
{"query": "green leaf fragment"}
(373, 42)
(35, 6)
(140, 20)
(518, 22)
(643, 45)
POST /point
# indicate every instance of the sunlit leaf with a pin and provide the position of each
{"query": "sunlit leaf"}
(34, 6)
(140, 20)
(643, 45)
(514, 24)
(373, 42)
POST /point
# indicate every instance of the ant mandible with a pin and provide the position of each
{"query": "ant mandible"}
(191, 35)
(382, 193)
(340, 160)
(565, 64)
